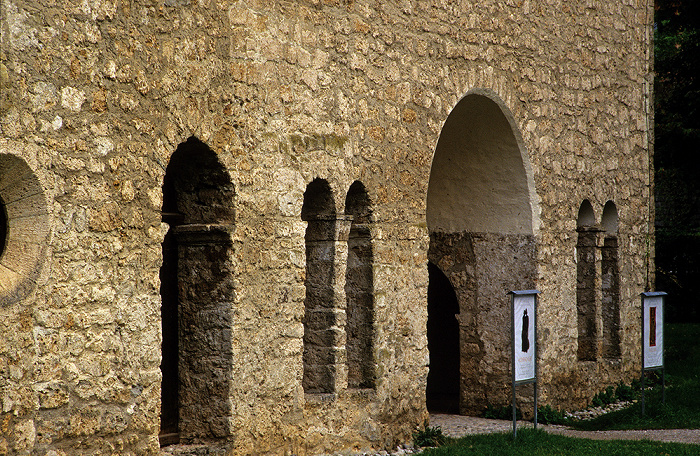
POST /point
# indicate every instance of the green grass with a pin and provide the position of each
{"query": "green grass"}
(538, 443)
(682, 409)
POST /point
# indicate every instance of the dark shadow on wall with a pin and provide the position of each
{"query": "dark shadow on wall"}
(359, 291)
(169, 409)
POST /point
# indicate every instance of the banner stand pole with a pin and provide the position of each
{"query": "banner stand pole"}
(535, 383)
(643, 332)
(512, 349)
(526, 333)
(515, 422)
(663, 365)
(663, 386)
(643, 388)
(653, 334)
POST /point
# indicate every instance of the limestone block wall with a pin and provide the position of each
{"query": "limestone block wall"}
(98, 95)
(487, 265)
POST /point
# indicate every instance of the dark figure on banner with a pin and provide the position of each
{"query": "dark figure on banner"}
(526, 332)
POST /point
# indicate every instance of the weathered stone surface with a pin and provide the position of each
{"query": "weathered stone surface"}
(97, 97)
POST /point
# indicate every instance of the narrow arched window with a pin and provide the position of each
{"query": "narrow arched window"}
(586, 283)
(359, 291)
(320, 316)
(610, 283)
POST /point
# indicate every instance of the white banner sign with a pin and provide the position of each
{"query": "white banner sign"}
(653, 334)
(524, 337)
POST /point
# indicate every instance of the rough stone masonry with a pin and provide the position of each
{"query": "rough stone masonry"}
(218, 216)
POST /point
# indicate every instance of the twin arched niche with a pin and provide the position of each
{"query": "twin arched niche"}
(197, 295)
(338, 325)
(597, 283)
(482, 216)
(24, 229)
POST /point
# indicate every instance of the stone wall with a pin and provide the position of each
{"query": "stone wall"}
(480, 267)
(98, 95)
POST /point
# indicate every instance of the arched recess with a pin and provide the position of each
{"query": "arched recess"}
(586, 283)
(320, 314)
(359, 291)
(24, 229)
(442, 391)
(197, 295)
(482, 217)
(610, 283)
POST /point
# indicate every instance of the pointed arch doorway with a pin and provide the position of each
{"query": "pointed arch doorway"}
(482, 219)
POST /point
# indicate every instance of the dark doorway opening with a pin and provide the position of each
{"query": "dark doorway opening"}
(4, 226)
(442, 392)
(197, 296)
(170, 415)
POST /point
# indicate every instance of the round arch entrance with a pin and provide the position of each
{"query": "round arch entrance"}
(482, 219)
(197, 294)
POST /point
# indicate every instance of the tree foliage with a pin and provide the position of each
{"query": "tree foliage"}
(677, 153)
(677, 89)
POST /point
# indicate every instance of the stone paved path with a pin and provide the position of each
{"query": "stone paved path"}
(458, 426)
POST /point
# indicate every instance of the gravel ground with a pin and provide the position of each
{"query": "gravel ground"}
(458, 426)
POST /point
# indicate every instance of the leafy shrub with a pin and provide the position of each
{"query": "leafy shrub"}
(429, 436)
(652, 378)
(548, 415)
(597, 401)
(624, 392)
(605, 397)
(636, 384)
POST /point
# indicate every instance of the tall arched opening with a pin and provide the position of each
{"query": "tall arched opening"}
(359, 291)
(482, 218)
(197, 296)
(586, 283)
(610, 283)
(321, 317)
